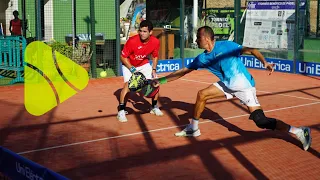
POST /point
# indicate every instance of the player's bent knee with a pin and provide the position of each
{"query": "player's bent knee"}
(262, 121)
(201, 95)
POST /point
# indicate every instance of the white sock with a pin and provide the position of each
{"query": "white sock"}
(294, 130)
(195, 123)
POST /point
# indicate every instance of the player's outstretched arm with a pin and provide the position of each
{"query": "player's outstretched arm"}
(171, 77)
(258, 55)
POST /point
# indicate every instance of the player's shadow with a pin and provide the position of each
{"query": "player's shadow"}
(138, 101)
(167, 105)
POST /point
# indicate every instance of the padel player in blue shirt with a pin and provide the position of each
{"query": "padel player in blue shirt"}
(222, 58)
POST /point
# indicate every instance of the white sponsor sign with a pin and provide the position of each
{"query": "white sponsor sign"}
(271, 24)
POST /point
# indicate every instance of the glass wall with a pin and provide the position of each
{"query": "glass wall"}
(309, 50)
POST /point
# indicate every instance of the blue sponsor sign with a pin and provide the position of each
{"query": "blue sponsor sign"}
(308, 68)
(272, 4)
(280, 65)
(17, 167)
(168, 65)
(188, 61)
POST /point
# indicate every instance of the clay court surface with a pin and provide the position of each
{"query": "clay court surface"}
(82, 139)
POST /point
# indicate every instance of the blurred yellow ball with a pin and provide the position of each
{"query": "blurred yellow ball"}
(103, 74)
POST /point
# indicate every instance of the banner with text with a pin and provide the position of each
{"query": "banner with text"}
(281, 65)
(221, 20)
(15, 166)
(271, 24)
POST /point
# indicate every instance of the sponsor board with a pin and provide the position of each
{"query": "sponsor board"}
(15, 166)
(281, 65)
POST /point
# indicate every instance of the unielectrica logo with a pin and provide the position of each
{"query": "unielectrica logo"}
(27, 172)
(279, 65)
(309, 68)
(168, 65)
(50, 78)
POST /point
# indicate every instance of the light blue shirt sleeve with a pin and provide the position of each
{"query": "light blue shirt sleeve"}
(234, 48)
(196, 63)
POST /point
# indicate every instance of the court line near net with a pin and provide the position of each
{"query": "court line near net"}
(202, 82)
(155, 130)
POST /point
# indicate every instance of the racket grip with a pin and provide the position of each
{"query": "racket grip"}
(147, 82)
(132, 69)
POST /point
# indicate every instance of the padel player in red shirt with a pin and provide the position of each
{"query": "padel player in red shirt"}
(134, 57)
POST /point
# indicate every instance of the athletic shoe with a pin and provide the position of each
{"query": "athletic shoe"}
(188, 131)
(305, 137)
(122, 116)
(156, 111)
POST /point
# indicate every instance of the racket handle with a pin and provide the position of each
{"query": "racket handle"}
(147, 82)
(132, 69)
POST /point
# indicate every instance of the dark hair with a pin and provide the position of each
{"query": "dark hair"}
(146, 23)
(208, 31)
(15, 12)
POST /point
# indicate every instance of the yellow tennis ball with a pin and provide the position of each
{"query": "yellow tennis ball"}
(103, 74)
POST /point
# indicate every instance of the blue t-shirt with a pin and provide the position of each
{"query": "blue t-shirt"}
(224, 62)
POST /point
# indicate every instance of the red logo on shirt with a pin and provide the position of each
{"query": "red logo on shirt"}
(139, 57)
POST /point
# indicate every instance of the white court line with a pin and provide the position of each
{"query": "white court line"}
(258, 91)
(155, 130)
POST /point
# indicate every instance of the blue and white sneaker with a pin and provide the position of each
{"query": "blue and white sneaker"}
(188, 131)
(305, 137)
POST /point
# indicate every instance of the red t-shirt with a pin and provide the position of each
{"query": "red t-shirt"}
(16, 27)
(137, 52)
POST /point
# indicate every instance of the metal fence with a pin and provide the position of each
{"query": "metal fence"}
(92, 33)
(84, 31)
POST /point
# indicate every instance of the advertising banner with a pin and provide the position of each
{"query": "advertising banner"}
(132, 12)
(15, 166)
(280, 65)
(271, 24)
(221, 20)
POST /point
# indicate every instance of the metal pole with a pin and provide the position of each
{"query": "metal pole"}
(194, 20)
(38, 20)
(24, 23)
(93, 41)
(307, 19)
(205, 7)
(318, 20)
(73, 33)
(237, 7)
(296, 35)
(75, 16)
(118, 46)
(182, 8)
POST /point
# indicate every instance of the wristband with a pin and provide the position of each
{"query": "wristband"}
(163, 80)
(132, 69)
(154, 69)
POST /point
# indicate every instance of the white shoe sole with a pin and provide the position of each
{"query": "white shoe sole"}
(306, 148)
(310, 140)
(152, 112)
(184, 134)
(122, 120)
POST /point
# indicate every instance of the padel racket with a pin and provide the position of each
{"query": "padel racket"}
(139, 83)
